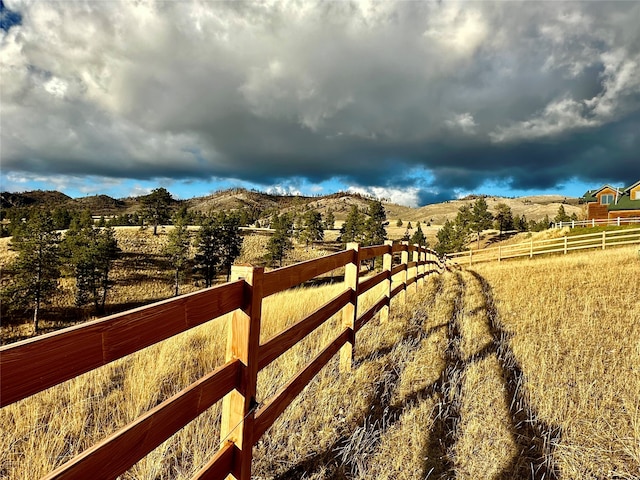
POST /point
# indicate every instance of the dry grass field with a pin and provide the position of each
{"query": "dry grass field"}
(522, 369)
(572, 326)
(140, 275)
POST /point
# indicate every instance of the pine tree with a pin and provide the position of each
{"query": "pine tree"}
(419, 237)
(562, 215)
(80, 220)
(156, 207)
(374, 231)
(208, 245)
(329, 220)
(480, 217)
(90, 253)
(183, 215)
(61, 218)
(446, 236)
(399, 223)
(352, 229)
(521, 224)
(280, 242)
(504, 217)
(459, 229)
(177, 249)
(312, 227)
(452, 236)
(231, 240)
(37, 266)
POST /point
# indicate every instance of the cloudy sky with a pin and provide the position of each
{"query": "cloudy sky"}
(413, 101)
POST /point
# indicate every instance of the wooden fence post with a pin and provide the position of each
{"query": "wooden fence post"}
(499, 253)
(531, 249)
(387, 261)
(350, 310)
(565, 245)
(416, 269)
(435, 268)
(422, 257)
(404, 259)
(604, 239)
(243, 340)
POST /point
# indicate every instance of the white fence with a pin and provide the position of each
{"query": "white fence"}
(600, 240)
(595, 223)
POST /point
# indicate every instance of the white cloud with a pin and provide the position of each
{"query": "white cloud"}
(459, 28)
(408, 196)
(620, 81)
(82, 184)
(261, 91)
(283, 190)
(557, 117)
(464, 122)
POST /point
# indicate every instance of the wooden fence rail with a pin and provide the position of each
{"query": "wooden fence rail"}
(600, 240)
(31, 366)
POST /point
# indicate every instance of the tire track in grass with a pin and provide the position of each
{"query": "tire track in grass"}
(357, 450)
(443, 435)
(535, 439)
(468, 361)
(485, 445)
(348, 456)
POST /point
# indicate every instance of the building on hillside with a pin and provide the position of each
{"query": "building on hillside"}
(611, 203)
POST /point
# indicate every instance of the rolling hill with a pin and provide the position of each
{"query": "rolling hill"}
(533, 207)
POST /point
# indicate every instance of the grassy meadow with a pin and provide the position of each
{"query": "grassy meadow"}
(519, 369)
(141, 275)
(573, 330)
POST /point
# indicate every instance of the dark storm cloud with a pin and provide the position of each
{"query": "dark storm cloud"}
(8, 18)
(374, 93)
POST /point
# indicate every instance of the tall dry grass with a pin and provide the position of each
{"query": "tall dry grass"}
(574, 329)
(45, 430)
(139, 276)
(539, 375)
(522, 369)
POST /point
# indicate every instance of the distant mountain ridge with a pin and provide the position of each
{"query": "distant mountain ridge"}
(33, 198)
(340, 203)
(97, 204)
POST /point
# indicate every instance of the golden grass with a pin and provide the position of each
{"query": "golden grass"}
(481, 374)
(485, 446)
(140, 275)
(574, 323)
(6, 255)
(404, 440)
(47, 429)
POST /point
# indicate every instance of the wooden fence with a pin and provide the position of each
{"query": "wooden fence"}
(600, 240)
(34, 365)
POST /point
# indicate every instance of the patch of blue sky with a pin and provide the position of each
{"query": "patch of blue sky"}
(573, 187)
(8, 18)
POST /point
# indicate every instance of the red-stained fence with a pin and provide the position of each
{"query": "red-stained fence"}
(34, 365)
